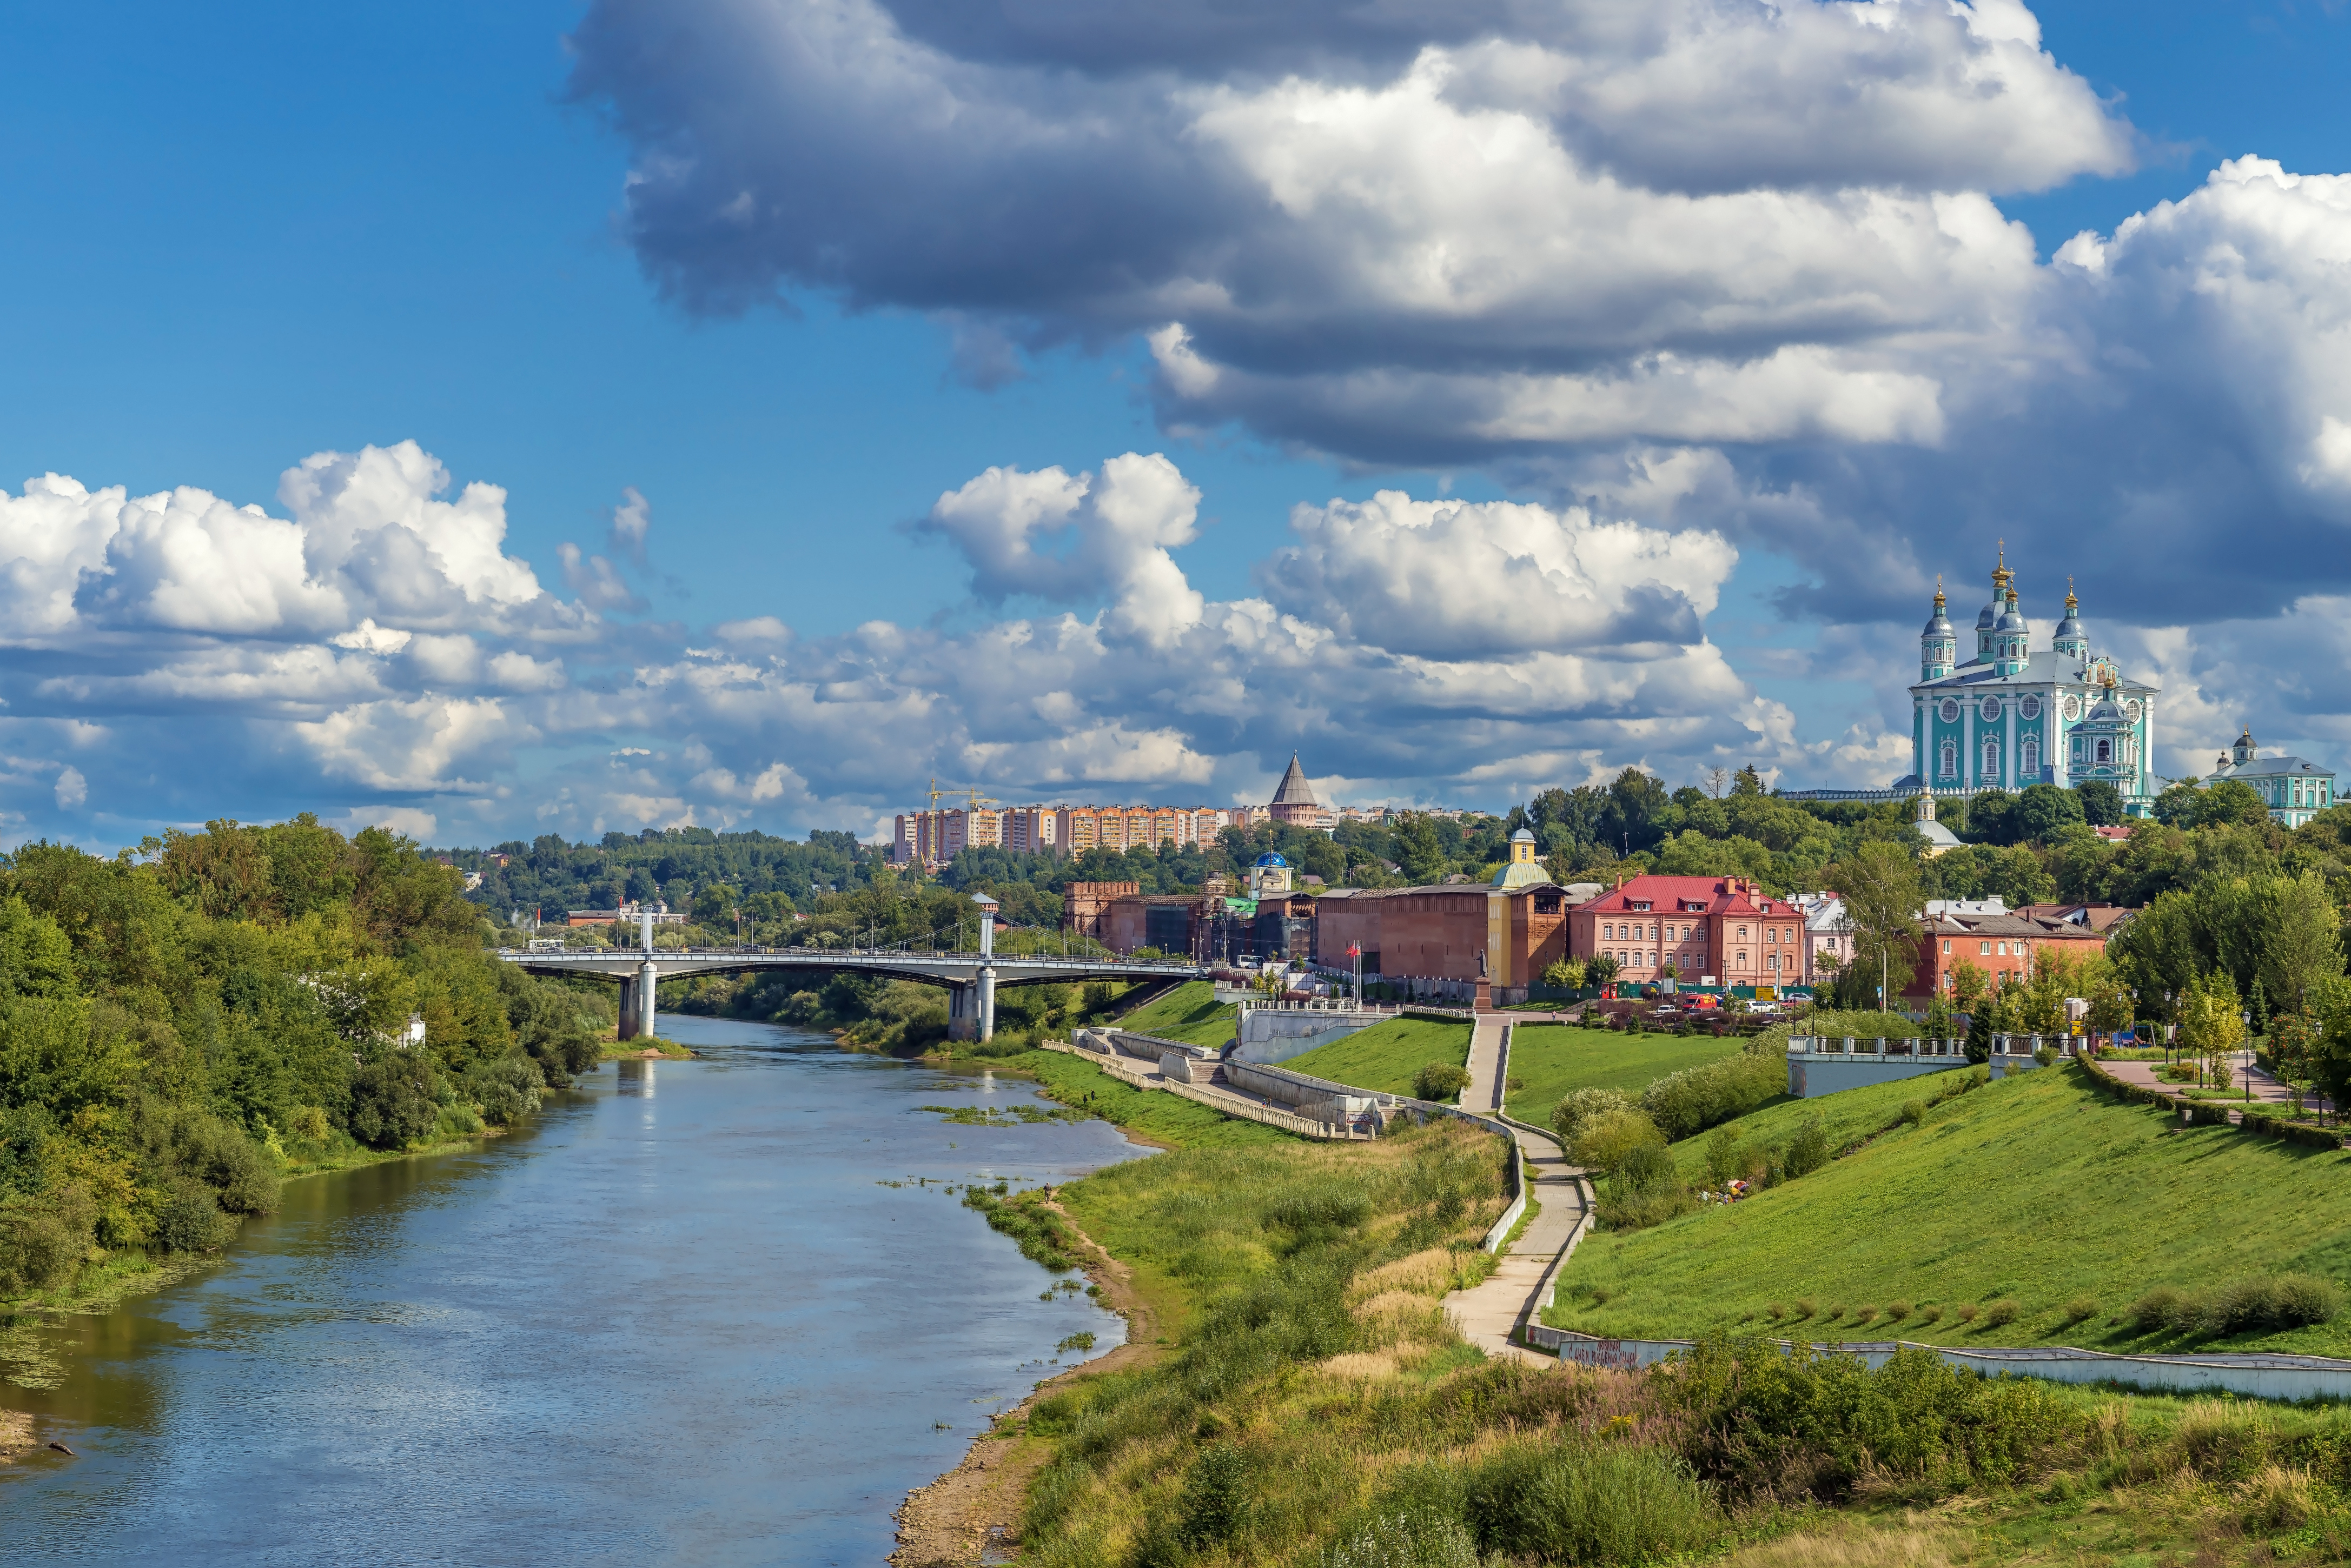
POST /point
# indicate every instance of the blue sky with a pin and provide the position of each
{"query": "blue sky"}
(241, 239)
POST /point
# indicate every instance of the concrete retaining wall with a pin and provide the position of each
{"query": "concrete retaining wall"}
(2290, 1377)
(1818, 1064)
(1317, 1099)
(1270, 1034)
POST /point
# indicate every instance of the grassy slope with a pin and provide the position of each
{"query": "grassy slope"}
(1387, 1055)
(1189, 1014)
(2035, 1188)
(1554, 1059)
(1152, 1114)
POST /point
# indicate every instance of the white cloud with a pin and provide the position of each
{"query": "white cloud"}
(425, 745)
(72, 790)
(631, 519)
(761, 628)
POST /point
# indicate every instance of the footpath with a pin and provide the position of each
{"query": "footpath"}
(2252, 1083)
(1493, 1316)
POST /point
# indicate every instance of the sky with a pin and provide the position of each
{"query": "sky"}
(491, 421)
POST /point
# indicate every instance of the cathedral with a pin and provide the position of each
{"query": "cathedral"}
(2010, 716)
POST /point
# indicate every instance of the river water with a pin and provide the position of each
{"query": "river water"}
(685, 1317)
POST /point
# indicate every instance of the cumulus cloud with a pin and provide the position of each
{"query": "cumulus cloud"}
(1745, 261)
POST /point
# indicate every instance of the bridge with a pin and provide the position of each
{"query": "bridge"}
(970, 979)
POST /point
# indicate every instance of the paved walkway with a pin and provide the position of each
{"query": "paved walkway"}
(2244, 1073)
(1521, 1285)
(1484, 1093)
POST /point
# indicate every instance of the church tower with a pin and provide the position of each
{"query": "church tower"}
(2072, 642)
(2011, 638)
(1987, 624)
(1937, 648)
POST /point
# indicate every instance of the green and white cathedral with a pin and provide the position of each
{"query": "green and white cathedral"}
(2012, 716)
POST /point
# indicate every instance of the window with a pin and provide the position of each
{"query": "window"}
(1743, 961)
(1949, 711)
(2029, 707)
(1983, 949)
(1742, 933)
(1546, 903)
(1990, 710)
(2106, 751)
(1947, 946)
(1990, 760)
(1608, 932)
(2031, 764)
(2003, 949)
(1772, 960)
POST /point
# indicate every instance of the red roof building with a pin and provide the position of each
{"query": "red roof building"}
(1720, 931)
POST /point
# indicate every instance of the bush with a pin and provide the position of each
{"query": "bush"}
(1571, 1502)
(191, 1219)
(1687, 1103)
(2079, 1309)
(43, 1239)
(393, 1100)
(1567, 1119)
(507, 1088)
(1914, 1112)
(1439, 1081)
(1930, 1313)
(1896, 1311)
(217, 1152)
(1607, 1141)
(1967, 1312)
(1215, 1497)
(1807, 1151)
(2001, 1313)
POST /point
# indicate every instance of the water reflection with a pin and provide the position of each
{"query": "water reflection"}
(720, 1338)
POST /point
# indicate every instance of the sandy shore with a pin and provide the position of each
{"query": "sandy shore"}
(948, 1523)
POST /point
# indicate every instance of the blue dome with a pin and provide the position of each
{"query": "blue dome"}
(1271, 859)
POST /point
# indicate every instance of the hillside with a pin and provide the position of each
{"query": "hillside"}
(2035, 1188)
(1550, 1060)
(1385, 1056)
(1189, 1014)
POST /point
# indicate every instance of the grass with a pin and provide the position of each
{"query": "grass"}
(2034, 1188)
(1152, 1115)
(1552, 1059)
(1189, 1014)
(1385, 1056)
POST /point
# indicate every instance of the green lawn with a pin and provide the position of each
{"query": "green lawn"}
(2035, 1188)
(1152, 1114)
(1385, 1056)
(1554, 1059)
(1189, 1014)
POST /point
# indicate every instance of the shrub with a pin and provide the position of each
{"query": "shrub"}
(1835, 1312)
(1930, 1312)
(1567, 1119)
(1569, 1502)
(217, 1152)
(1687, 1103)
(1914, 1112)
(393, 1100)
(1607, 1141)
(1804, 1308)
(1967, 1312)
(191, 1219)
(1215, 1497)
(1722, 1158)
(2079, 1308)
(1776, 1311)
(1896, 1311)
(1439, 1081)
(507, 1088)
(1867, 1315)
(2001, 1313)
(42, 1240)
(1807, 1151)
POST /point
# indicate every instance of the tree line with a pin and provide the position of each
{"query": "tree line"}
(184, 1025)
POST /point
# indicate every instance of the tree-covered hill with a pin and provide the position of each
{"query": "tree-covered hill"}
(183, 1026)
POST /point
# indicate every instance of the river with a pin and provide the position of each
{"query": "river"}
(707, 1312)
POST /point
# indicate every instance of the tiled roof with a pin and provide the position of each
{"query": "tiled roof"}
(1666, 895)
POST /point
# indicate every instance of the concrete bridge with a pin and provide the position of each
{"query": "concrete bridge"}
(971, 980)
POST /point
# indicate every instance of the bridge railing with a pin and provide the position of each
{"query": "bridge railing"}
(999, 961)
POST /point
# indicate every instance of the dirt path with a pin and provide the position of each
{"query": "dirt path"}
(948, 1523)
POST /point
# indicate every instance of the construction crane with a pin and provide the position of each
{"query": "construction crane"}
(977, 800)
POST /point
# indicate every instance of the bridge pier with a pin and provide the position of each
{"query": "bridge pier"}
(987, 1001)
(648, 979)
(628, 1009)
(963, 1011)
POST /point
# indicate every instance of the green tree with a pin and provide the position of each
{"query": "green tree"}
(1747, 782)
(1601, 970)
(2102, 803)
(714, 905)
(2305, 937)
(1882, 900)
(2043, 811)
